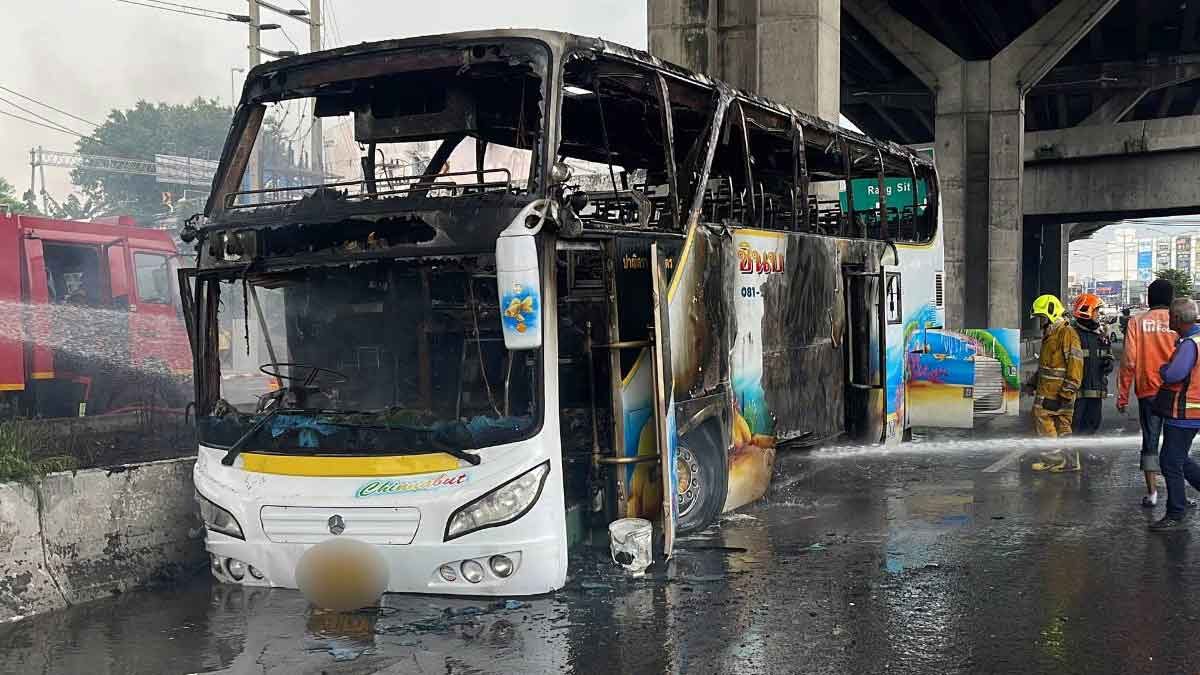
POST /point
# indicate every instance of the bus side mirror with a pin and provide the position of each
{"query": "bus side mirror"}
(518, 281)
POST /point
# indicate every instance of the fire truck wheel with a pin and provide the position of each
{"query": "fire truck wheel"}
(703, 478)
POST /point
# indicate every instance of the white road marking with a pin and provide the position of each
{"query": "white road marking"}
(1004, 461)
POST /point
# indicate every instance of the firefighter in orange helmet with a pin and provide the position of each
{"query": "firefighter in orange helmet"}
(1097, 364)
(1060, 371)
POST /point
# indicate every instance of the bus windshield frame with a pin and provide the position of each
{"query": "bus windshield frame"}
(421, 323)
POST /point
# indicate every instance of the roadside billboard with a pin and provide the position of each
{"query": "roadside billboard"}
(1145, 260)
(1109, 288)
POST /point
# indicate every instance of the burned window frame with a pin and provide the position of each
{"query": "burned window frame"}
(603, 72)
(302, 77)
(731, 138)
(792, 215)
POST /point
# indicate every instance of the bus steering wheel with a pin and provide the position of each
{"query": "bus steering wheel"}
(276, 370)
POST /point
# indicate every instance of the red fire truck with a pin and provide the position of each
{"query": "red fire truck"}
(89, 318)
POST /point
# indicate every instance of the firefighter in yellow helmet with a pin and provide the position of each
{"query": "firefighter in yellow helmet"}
(1060, 371)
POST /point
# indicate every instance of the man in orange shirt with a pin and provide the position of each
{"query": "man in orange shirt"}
(1149, 343)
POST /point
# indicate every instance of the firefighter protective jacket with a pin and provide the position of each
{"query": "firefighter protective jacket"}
(1097, 361)
(1060, 367)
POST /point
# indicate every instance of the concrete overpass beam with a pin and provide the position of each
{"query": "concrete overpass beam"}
(912, 46)
(786, 50)
(1047, 41)
(960, 138)
(979, 145)
(1014, 71)
(1116, 107)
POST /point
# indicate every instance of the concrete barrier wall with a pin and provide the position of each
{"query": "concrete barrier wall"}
(79, 536)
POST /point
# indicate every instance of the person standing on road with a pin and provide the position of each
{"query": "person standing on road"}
(1097, 364)
(1060, 371)
(1149, 342)
(1178, 401)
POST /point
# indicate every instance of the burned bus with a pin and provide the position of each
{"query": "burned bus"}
(560, 282)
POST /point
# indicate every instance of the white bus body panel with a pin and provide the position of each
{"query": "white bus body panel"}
(536, 541)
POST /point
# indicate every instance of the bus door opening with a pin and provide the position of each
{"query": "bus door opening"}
(865, 353)
(585, 391)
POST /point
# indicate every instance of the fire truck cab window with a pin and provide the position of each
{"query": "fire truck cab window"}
(73, 274)
(614, 142)
(151, 275)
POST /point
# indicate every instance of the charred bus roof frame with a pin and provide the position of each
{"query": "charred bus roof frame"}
(301, 76)
(456, 226)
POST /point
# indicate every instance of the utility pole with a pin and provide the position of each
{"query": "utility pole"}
(312, 17)
(256, 175)
(318, 136)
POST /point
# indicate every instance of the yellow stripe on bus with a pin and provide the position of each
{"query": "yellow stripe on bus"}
(683, 260)
(12, 387)
(43, 375)
(393, 465)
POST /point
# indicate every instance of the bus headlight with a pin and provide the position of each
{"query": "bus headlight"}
(218, 519)
(500, 506)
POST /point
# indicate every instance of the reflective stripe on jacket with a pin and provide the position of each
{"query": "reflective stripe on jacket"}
(1097, 361)
(1149, 343)
(1181, 400)
(1060, 366)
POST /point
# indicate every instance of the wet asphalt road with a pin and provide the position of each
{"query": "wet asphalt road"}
(912, 561)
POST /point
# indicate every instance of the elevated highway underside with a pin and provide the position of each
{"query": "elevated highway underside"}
(1139, 169)
(1042, 113)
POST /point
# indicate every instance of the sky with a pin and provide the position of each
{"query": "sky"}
(87, 57)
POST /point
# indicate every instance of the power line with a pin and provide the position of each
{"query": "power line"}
(192, 7)
(289, 39)
(43, 118)
(209, 14)
(26, 119)
(47, 105)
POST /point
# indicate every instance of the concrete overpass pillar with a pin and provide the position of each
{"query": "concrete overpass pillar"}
(979, 146)
(786, 50)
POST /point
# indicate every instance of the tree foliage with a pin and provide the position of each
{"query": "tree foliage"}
(9, 200)
(195, 130)
(74, 208)
(1181, 280)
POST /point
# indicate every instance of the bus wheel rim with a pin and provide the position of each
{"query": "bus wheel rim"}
(690, 488)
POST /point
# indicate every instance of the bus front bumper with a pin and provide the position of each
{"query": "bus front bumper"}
(412, 568)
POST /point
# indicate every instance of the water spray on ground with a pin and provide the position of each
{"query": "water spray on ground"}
(998, 445)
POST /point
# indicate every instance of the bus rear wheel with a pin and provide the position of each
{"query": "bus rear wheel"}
(703, 478)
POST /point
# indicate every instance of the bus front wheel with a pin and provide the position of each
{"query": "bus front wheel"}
(703, 478)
